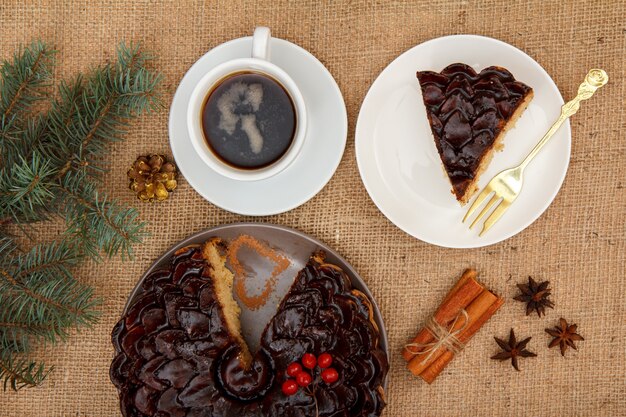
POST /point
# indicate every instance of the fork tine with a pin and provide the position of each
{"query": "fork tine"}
(485, 209)
(495, 216)
(479, 200)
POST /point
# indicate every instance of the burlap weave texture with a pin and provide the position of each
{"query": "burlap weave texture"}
(579, 244)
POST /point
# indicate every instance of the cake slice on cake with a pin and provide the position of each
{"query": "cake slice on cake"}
(469, 114)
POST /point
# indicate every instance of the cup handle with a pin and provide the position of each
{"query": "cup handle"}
(261, 43)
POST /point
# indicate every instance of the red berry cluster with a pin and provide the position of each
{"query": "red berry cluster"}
(303, 378)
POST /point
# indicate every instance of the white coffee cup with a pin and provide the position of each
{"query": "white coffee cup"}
(259, 63)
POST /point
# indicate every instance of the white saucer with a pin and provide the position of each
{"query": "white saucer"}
(320, 155)
(401, 168)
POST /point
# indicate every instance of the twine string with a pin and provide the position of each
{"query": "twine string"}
(444, 337)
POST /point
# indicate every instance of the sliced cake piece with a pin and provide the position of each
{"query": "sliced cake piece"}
(469, 114)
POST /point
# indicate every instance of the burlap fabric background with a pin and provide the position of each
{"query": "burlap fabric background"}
(578, 244)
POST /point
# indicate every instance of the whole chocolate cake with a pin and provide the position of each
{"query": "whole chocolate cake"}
(180, 353)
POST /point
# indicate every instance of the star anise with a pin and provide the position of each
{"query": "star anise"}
(564, 335)
(535, 295)
(513, 349)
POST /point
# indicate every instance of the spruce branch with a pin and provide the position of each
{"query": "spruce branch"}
(54, 258)
(17, 372)
(24, 81)
(39, 301)
(51, 163)
(26, 189)
(96, 222)
(23, 77)
(94, 111)
(35, 299)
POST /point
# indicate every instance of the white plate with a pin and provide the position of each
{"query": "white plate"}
(314, 166)
(401, 168)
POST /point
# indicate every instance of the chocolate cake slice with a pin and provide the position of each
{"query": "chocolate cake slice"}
(180, 353)
(469, 114)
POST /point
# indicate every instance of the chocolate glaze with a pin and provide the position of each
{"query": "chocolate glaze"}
(175, 357)
(466, 112)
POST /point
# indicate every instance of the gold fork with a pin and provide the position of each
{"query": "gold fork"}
(507, 185)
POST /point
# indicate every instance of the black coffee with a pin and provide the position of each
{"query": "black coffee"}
(249, 120)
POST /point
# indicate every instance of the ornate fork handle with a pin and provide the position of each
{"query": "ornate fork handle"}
(595, 79)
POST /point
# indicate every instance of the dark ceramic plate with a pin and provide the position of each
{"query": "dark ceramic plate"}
(294, 245)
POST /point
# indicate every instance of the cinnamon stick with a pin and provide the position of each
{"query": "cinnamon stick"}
(475, 310)
(438, 365)
(467, 274)
(461, 295)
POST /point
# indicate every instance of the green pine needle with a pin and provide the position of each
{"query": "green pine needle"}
(51, 165)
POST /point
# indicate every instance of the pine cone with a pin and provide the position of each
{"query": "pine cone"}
(152, 178)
